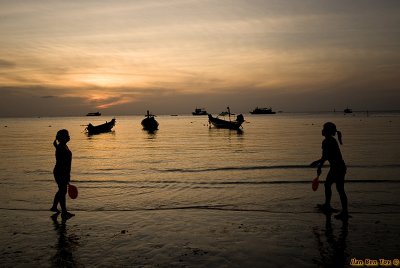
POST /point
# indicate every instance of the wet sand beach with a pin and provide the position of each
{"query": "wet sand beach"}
(217, 236)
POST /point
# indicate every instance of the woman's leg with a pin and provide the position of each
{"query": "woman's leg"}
(62, 198)
(62, 191)
(328, 189)
(56, 200)
(343, 196)
(55, 203)
(328, 193)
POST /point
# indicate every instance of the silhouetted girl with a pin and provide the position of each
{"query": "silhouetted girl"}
(331, 153)
(62, 171)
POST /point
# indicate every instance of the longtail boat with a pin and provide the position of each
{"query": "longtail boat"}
(149, 123)
(103, 128)
(221, 123)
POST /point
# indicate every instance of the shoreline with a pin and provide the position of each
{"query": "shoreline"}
(193, 238)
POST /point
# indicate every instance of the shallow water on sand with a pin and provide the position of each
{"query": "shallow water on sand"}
(185, 164)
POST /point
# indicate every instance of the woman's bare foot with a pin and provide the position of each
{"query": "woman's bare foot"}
(54, 209)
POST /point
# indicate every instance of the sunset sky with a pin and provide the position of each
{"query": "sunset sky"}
(169, 56)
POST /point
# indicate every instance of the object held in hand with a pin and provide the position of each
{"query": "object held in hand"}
(72, 191)
(315, 183)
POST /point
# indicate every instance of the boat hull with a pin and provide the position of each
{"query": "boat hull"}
(199, 111)
(94, 114)
(149, 124)
(219, 123)
(255, 112)
(262, 111)
(103, 128)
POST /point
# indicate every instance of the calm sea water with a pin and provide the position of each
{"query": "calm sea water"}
(185, 164)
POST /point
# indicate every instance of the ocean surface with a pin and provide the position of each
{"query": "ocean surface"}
(186, 164)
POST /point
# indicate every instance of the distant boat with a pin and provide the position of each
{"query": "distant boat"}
(149, 123)
(348, 111)
(103, 128)
(199, 111)
(262, 111)
(220, 123)
(93, 114)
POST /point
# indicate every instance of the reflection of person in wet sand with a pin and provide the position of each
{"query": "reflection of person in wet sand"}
(62, 171)
(333, 253)
(331, 153)
(65, 244)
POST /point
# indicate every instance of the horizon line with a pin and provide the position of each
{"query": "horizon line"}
(189, 114)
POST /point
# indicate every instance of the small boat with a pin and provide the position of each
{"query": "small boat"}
(262, 111)
(93, 114)
(149, 123)
(221, 123)
(199, 111)
(348, 111)
(103, 128)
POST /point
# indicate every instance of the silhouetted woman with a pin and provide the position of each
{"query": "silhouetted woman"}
(331, 153)
(62, 171)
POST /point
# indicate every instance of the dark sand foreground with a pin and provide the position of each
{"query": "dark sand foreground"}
(194, 237)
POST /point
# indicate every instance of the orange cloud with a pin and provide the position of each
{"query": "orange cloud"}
(106, 100)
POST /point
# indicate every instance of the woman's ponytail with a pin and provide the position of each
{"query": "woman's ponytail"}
(339, 134)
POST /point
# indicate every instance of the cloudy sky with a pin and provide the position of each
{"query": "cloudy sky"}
(126, 56)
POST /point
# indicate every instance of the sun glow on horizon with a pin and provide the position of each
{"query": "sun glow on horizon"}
(106, 80)
(107, 100)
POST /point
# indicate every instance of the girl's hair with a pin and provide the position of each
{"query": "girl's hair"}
(61, 133)
(330, 129)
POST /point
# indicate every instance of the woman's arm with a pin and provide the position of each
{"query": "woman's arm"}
(316, 163)
(320, 162)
